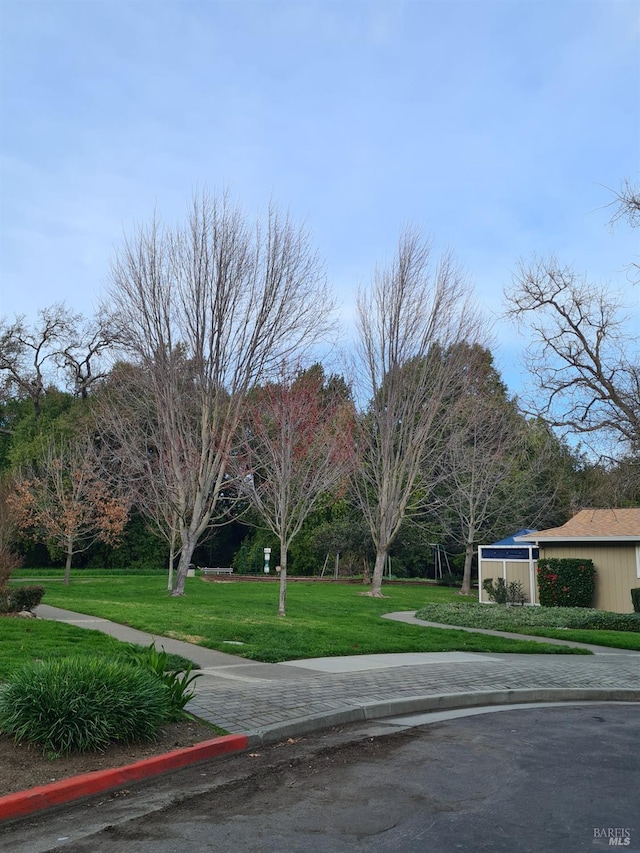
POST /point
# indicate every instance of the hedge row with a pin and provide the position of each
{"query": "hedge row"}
(501, 618)
(566, 582)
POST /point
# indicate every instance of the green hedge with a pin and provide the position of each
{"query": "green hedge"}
(566, 582)
(16, 599)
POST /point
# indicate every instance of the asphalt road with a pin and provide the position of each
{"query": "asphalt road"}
(539, 780)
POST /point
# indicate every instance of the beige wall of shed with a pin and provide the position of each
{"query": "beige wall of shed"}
(616, 571)
(516, 570)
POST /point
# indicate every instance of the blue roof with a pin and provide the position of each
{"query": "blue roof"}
(510, 540)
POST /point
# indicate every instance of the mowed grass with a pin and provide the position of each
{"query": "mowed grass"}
(323, 620)
(23, 640)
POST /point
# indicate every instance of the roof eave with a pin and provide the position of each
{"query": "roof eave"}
(558, 539)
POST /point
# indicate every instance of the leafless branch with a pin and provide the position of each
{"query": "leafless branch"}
(408, 322)
(206, 310)
(583, 356)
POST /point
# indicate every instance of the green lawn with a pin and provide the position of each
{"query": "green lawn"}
(322, 619)
(22, 640)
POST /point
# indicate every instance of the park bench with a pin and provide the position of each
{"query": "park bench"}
(217, 571)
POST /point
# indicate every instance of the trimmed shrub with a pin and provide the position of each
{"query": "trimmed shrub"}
(566, 582)
(511, 619)
(26, 597)
(82, 704)
(635, 599)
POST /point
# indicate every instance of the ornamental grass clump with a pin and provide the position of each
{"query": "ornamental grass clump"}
(177, 680)
(82, 704)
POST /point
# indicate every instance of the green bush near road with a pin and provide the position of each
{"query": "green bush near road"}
(82, 704)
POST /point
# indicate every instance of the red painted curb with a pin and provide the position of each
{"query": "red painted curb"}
(76, 787)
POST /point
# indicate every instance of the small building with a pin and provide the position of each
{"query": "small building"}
(513, 559)
(608, 537)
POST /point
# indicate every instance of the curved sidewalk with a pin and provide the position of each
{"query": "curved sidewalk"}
(260, 703)
(268, 702)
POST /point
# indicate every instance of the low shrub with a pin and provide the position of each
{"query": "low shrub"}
(511, 618)
(496, 591)
(635, 599)
(82, 704)
(504, 593)
(176, 680)
(566, 582)
(15, 599)
(25, 597)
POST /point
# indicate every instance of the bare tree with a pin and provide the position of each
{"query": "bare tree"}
(64, 501)
(296, 446)
(412, 314)
(133, 455)
(26, 354)
(81, 357)
(32, 358)
(229, 301)
(481, 462)
(626, 204)
(583, 356)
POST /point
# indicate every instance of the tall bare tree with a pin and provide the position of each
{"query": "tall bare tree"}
(229, 300)
(414, 311)
(133, 453)
(483, 461)
(583, 357)
(296, 446)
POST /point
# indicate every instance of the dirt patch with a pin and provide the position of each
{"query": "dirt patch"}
(23, 767)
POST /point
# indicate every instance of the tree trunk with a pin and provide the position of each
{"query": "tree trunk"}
(67, 567)
(172, 558)
(466, 578)
(282, 601)
(189, 543)
(378, 572)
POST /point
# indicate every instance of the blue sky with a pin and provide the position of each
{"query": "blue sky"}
(496, 126)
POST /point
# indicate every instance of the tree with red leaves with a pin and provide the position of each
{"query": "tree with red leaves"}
(296, 445)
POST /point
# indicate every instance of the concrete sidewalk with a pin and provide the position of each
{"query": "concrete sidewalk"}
(269, 702)
(261, 704)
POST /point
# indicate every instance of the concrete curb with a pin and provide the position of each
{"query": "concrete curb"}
(77, 787)
(443, 702)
